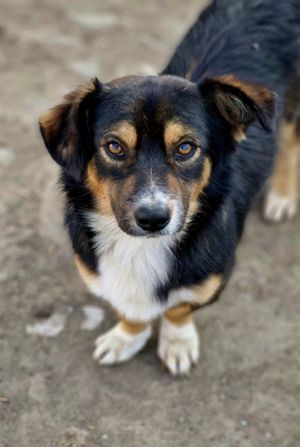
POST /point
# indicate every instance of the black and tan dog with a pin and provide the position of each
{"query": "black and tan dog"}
(159, 172)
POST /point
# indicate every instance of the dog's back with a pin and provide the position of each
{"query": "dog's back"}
(256, 40)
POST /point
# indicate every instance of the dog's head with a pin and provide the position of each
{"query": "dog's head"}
(146, 147)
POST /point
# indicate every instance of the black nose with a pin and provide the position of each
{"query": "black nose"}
(152, 218)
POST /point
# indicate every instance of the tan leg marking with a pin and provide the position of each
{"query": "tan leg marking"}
(180, 314)
(284, 178)
(179, 343)
(122, 342)
(281, 199)
(205, 291)
(132, 328)
(178, 346)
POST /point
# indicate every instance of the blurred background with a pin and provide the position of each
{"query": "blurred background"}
(245, 391)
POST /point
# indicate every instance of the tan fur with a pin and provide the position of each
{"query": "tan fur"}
(87, 275)
(126, 133)
(199, 186)
(50, 121)
(176, 131)
(132, 328)
(257, 93)
(99, 189)
(179, 315)
(239, 135)
(173, 184)
(231, 107)
(284, 180)
(205, 291)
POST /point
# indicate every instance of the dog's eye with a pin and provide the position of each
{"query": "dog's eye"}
(185, 150)
(115, 149)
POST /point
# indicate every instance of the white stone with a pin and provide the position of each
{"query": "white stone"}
(50, 327)
(6, 156)
(93, 316)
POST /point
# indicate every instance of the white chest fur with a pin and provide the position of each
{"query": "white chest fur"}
(130, 269)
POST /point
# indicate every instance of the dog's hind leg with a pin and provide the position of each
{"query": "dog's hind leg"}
(282, 196)
(281, 200)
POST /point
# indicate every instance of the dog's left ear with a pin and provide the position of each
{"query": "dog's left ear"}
(240, 103)
(66, 129)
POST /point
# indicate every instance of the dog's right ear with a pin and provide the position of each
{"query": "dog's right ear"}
(240, 103)
(66, 129)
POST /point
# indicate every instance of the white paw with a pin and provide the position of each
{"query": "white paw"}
(178, 347)
(116, 345)
(277, 207)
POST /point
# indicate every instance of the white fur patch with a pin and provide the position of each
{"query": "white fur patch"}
(178, 347)
(116, 345)
(279, 207)
(130, 269)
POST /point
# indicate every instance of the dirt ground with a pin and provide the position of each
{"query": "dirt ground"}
(246, 391)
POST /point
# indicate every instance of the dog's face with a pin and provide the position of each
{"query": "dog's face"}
(144, 146)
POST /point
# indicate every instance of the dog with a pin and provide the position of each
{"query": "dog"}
(160, 172)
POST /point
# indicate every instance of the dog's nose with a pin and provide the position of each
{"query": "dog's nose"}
(152, 218)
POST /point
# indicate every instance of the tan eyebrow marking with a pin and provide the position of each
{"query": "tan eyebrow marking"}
(175, 131)
(126, 132)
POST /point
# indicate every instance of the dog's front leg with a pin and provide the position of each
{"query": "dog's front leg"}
(125, 339)
(179, 344)
(122, 342)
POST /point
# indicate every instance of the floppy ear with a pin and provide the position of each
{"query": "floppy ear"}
(240, 103)
(66, 131)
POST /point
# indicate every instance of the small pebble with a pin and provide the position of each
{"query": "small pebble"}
(93, 21)
(243, 423)
(64, 40)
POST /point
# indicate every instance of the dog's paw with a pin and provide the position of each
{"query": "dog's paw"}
(117, 345)
(178, 347)
(278, 208)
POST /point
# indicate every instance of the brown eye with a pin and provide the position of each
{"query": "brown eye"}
(185, 150)
(115, 149)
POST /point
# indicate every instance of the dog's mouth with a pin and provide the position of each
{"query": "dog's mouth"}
(136, 232)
